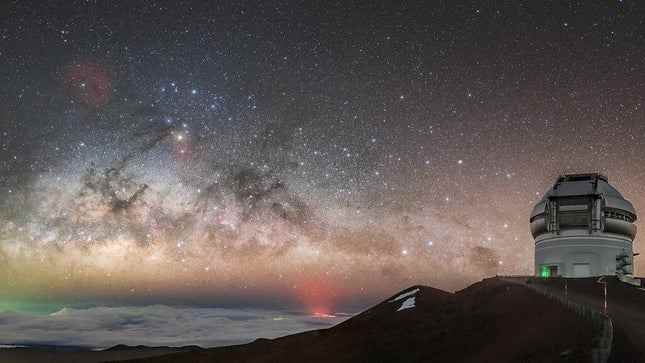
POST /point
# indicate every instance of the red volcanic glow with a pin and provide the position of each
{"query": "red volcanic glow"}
(318, 296)
(318, 314)
(89, 82)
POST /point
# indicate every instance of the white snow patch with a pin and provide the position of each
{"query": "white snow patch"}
(406, 294)
(407, 304)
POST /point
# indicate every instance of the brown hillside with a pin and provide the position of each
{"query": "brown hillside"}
(490, 321)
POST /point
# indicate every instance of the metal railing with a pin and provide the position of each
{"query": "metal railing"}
(603, 326)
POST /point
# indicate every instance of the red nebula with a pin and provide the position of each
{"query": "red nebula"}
(183, 146)
(89, 82)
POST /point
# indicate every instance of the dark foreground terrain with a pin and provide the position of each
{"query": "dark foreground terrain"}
(625, 306)
(490, 321)
(80, 355)
(494, 320)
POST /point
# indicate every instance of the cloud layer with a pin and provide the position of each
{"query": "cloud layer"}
(154, 325)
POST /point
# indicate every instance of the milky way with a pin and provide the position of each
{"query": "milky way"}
(287, 154)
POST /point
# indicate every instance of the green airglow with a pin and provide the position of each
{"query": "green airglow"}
(29, 307)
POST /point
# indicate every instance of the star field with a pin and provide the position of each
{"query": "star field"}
(318, 155)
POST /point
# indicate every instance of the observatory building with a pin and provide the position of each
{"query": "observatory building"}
(583, 227)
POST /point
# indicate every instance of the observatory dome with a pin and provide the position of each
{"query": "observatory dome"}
(583, 227)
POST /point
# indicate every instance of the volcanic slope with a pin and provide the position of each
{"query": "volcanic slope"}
(490, 321)
(624, 305)
(66, 354)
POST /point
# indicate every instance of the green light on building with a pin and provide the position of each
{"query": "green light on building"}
(545, 271)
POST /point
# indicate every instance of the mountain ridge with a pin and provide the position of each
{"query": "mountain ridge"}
(491, 320)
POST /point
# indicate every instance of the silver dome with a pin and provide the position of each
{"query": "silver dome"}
(581, 227)
(606, 209)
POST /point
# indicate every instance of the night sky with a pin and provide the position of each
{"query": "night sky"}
(312, 156)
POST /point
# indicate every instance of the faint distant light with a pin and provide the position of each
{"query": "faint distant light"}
(430, 243)
(489, 238)
(180, 137)
(404, 252)
(505, 225)
(500, 262)
(194, 91)
(460, 161)
(323, 315)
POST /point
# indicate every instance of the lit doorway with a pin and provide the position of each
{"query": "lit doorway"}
(548, 270)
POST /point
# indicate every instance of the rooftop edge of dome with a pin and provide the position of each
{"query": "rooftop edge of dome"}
(581, 177)
(578, 185)
(602, 187)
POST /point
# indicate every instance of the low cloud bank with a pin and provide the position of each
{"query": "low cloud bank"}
(155, 325)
